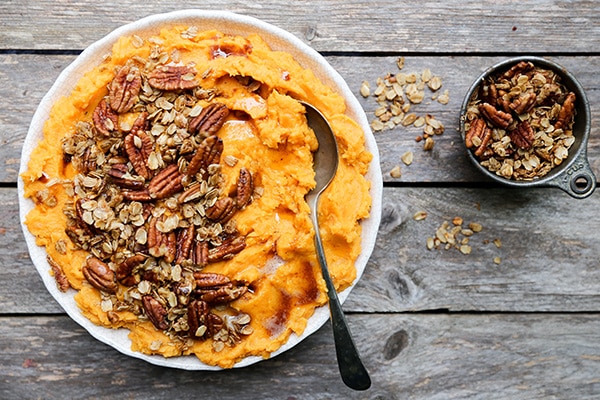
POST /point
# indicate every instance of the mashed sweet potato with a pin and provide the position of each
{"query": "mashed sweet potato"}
(196, 275)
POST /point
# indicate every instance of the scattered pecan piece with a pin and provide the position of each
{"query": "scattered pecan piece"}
(499, 118)
(119, 174)
(227, 249)
(222, 210)
(201, 322)
(524, 103)
(124, 89)
(523, 135)
(59, 276)
(173, 77)
(105, 119)
(210, 120)
(166, 183)
(125, 269)
(567, 111)
(156, 312)
(138, 146)
(245, 188)
(99, 275)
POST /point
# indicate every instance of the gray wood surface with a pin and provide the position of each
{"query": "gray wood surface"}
(430, 324)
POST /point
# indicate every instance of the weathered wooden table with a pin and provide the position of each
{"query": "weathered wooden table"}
(430, 324)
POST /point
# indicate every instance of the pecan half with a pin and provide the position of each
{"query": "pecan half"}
(209, 152)
(105, 119)
(124, 89)
(498, 118)
(125, 270)
(245, 188)
(519, 68)
(201, 322)
(142, 195)
(567, 112)
(524, 103)
(199, 254)
(161, 244)
(523, 135)
(156, 312)
(475, 130)
(227, 249)
(99, 275)
(222, 210)
(59, 276)
(173, 77)
(185, 240)
(210, 120)
(138, 146)
(119, 174)
(166, 183)
(488, 93)
(217, 288)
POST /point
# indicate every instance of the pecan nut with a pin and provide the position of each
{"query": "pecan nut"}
(161, 244)
(105, 119)
(166, 183)
(124, 89)
(222, 210)
(138, 146)
(125, 270)
(217, 288)
(185, 241)
(523, 135)
(201, 322)
(210, 120)
(517, 69)
(245, 188)
(142, 195)
(567, 112)
(59, 276)
(99, 275)
(119, 174)
(478, 136)
(155, 311)
(209, 152)
(173, 77)
(524, 103)
(497, 117)
(199, 254)
(227, 249)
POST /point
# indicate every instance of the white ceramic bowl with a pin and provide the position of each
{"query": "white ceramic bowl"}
(230, 23)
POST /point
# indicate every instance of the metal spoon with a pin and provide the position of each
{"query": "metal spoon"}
(352, 370)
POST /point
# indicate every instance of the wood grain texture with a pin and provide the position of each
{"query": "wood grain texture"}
(550, 356)
(329, 25)
(447, 162)
(548, 259)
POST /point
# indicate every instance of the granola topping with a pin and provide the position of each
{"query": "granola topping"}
(149, 207)
(519, 124)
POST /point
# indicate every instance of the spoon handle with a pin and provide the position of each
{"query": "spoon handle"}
(353, 372)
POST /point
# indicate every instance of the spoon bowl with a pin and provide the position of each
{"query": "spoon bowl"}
(325, 160)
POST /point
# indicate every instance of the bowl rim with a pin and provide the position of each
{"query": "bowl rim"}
(554, 177)
(229, 22)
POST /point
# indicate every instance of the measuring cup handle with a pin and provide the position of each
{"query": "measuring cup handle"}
(578, 180)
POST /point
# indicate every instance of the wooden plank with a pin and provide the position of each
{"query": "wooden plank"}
(385, 25)
(548, 256)
(19, 97)
(415, 356)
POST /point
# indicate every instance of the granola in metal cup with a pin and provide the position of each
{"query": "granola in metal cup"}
(519, 123)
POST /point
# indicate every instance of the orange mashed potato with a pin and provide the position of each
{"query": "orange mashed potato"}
(266, 133)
